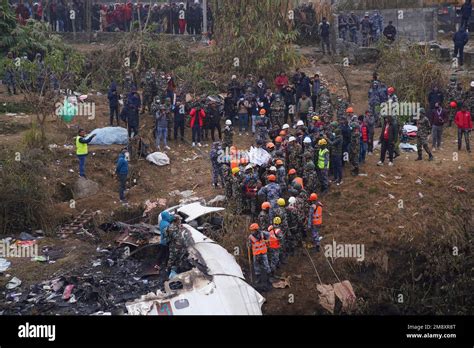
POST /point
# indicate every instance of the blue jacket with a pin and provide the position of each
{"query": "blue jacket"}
(166, 220)
(122, 165)
(466, 10)
(112, 95)
(461, 37)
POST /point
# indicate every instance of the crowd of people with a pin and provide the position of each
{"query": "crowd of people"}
(307, 141)
(68, 16)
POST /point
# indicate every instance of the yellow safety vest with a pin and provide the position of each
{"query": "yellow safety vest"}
(321, 158)
(81, 149)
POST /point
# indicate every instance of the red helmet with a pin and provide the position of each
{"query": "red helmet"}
(254, 227)
(292, 172)
(453, 104)
(271, 178)
(313, 197)
(391, 90)
(265, 205)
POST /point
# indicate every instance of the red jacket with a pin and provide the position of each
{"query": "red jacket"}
(281, 81)
(364, 133)
(202, 114)
(463, 120)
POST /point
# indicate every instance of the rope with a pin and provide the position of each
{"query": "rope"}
(314, 266)
(332, 269)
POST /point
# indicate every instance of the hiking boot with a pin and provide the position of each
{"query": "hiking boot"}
(431, 157)
(380, 164)
(419, 158)
(390, 164)
(199, 144)
(194, 144)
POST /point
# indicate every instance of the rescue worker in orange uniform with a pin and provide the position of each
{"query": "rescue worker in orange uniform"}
(315, 219)
(274, 247)
(258, 242)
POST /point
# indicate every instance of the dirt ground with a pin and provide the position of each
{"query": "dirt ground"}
(364, 210)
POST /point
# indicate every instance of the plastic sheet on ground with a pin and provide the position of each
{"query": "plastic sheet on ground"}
(13, 283)
(110, 136)
(259, 156)
(4, 264)
(408, 147)
(158, 158)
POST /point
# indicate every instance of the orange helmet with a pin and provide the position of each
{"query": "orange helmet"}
(271, 178)
(349, 110)
(263, 111)
(270, 146)
(282, 133)
(265, 205)
(279, 162)
(292, 172)
(254, 227)
(313, 197)
(278, 140)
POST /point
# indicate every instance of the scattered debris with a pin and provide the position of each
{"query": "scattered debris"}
(363, 174)
(419, 181)
(391, 196)
(282, 283)
(420, 194)
(217, 199)
(13, 283)
(460, 189)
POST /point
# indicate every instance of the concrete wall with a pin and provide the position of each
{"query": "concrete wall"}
(418, 24)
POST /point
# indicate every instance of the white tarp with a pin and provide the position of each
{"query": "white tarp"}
(110, 136)
(409, 128)
(158, 158)
(259, 156)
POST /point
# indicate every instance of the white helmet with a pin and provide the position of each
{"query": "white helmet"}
(307, 140)
(299, 123)
(286, 126)
(273, 169)
(228, 123)
(248, 167)
(472, 83)
(234, 77)
(291, 139)
(292, 200)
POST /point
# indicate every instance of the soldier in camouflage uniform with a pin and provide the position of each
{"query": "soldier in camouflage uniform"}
(216, 162)
(294, 235)
(128, 83)
(178, 251)
(278, 111)
(9, 79)
(150, 90)
(310, 177)
(294, 154)
(228, 135)
(168, 105)
(424, 130)
(270, 192)
(264, 216)
(374, 100)
(280, 211)
(355, 148)
(281, 174)
(469, 99)
(341, 107)
(451, 94)
(237, 191)
(227, 173)
(262, 126)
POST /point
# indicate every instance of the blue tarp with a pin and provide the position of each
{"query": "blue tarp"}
(110, 136)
